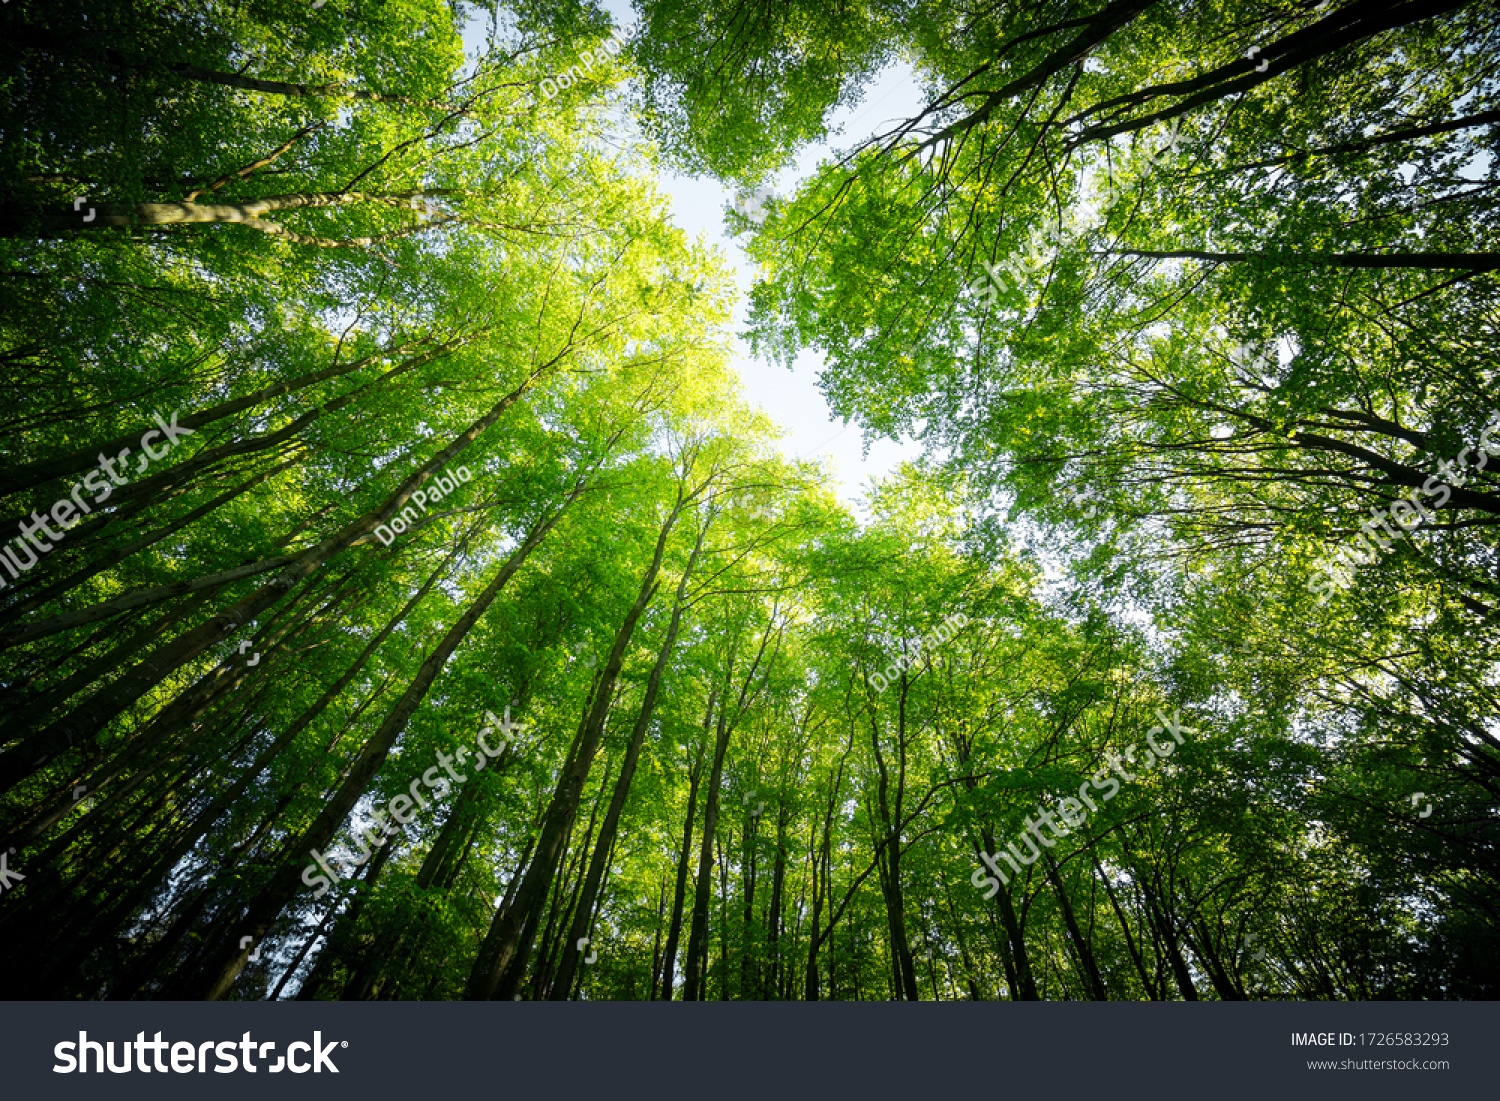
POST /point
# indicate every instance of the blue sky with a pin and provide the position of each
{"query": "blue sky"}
(790, 397)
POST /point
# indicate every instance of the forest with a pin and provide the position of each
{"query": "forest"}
(403, 598)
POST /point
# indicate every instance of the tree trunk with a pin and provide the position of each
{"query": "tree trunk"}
(504, 944)
(697, 948)
(90, 717)
(567, 965)
(51, 470)
(1023, 986)
(262, 911)
(904, 972)
(1422, 261)
(679, 890)
(1080, 942)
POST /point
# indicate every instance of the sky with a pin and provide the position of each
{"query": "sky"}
(791, 398)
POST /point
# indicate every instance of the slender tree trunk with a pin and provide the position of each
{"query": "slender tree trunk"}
(723, 866)
(679, 890)
(1213, 964)
(89, 718)
(186, 472)
(308, 985)
(749, 965)
(822, 879)
(227, 963)
(362, 978)
(570, 883)
(970, 972)
(119, 554)
(175, 718)
(661, 918)
(1423, 261)
(1080, 942)
(771, 984)
(1023, 987)
(1170, 944)
(504, 944)
(1341, 28)
(176, 934)
(62, 220)
(28, 715)
(50, 470)
(697, 947)
(568, 964)
(141, 971)
(1152, 992)
(178, 475)
(904, 972)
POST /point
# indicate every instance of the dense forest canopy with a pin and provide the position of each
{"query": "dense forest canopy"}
(402, 599)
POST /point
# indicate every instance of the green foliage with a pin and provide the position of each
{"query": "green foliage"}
(764, 744)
